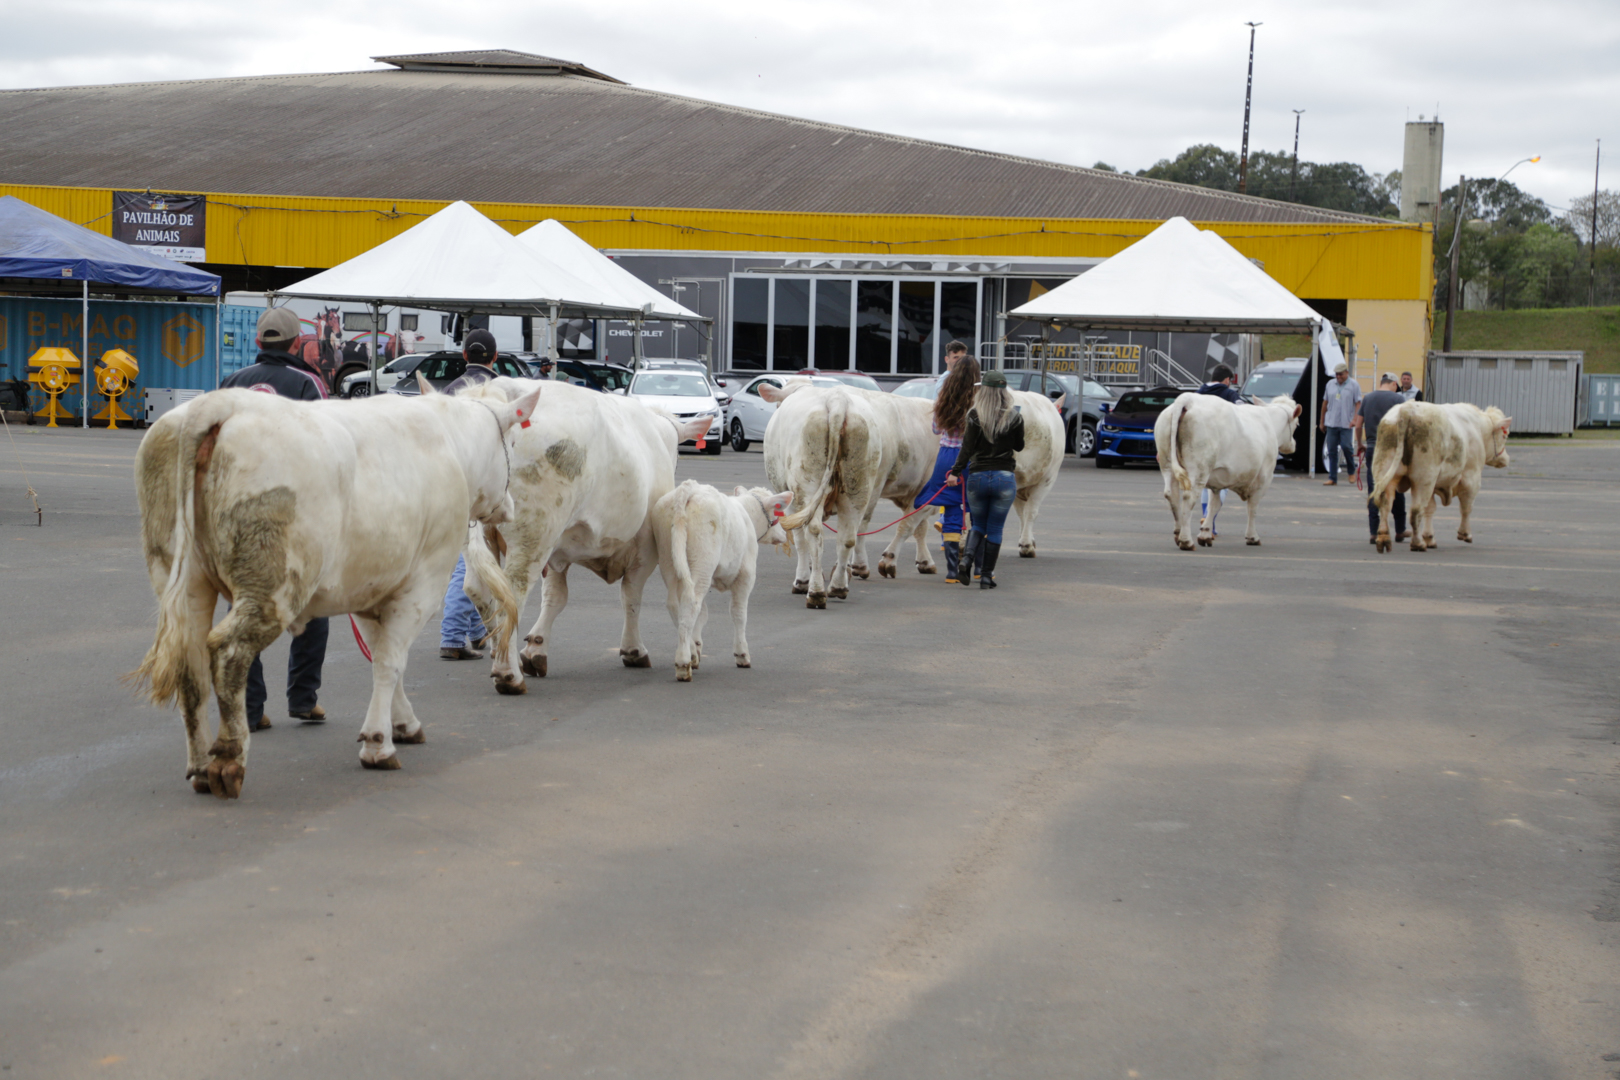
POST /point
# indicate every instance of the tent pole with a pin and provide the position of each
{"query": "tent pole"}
(84, 357)
(219, 322)
(552, 352)
(1316, 374)
(375, 314)
(635, 353)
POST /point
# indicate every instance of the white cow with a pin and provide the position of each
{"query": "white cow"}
(301, 510)
(1206, 442)
(1434, 450)
(708, 539)
(585, 477)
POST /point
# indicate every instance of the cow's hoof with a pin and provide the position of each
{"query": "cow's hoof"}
(534, 666)
(800, 588)
(225, 778)
(199, 783)
(1252, 543)
(505, 684)
(862, 572)
(1417, 546)
(1206, 541)
(838, 592)
(886, 568)
(1184, 545)
(1383, 545)
(743, 660)
(1026, 552)
(387, 763)
(683, 673)
(816, 600)
(415, 738)
(635, 659)
(927, 568)
(1465, 539)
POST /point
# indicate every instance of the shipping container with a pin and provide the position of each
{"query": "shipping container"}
(1537, 389)
(1600, 401)
(174, 343)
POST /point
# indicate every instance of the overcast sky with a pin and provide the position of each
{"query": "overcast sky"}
(1125, 83)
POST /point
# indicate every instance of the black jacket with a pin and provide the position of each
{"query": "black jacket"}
(1224, 391)
(983, 454)
(283, 373)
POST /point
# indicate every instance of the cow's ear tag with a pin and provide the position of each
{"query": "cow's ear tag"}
(525, 423)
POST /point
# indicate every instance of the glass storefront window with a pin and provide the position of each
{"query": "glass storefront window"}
(750, 319)
(874, 325)
(916, 333)
(958, 314)
(832, 324)
(791, 329)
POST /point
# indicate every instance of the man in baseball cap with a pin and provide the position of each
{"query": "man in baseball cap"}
(281, 373)
(278, 370)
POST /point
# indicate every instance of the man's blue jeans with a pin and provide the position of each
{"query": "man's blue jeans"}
(1335, 438)
(461, 625)
(989, 496)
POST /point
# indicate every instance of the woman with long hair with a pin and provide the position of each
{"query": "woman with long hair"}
(993, 434)
(950, 417)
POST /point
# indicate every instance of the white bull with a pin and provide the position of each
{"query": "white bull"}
(585, 477)
(301, 510)
(1206, 442)
(708, 539)
(1434, 450)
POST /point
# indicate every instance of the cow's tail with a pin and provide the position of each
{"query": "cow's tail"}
(812, 502)
(492, 592)
(1391, 448)
(686, 590)
(179, 652)
(1178, 472)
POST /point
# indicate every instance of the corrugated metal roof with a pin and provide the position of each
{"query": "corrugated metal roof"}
(571, 139)
(508, 60)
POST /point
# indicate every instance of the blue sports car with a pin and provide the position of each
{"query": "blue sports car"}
(1126, 431)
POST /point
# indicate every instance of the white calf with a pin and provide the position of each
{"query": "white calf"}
(1206, 442)
(706, 539)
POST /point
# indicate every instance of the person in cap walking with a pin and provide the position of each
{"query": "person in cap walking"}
(993, 434)
(278, 371)
(1339, 402)
(461, 632)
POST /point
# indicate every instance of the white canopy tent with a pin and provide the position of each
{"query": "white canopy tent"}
(556, 242)
(458, 260)
(1182, 278)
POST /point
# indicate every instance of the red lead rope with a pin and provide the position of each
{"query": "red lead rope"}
(897, 520)
(358, 640)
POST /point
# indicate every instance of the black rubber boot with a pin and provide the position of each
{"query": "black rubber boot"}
(991, 553)
(953, 555)
(970, 556)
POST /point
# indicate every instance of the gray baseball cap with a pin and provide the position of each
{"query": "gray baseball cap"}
(279, 326)
(1342, 367)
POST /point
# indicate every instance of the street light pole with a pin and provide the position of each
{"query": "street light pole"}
(1293, 180)
(1597, 167)
(1248, 96)
(1456, 256)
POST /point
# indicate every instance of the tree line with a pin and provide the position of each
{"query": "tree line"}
(1515, 250)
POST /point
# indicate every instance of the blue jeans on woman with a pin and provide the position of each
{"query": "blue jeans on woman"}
(461, 625)
(989, 496)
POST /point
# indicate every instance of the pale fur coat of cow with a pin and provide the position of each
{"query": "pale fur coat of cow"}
(585, 477)
(1207, 442)
(1432, 450)
(300, 510)
(710, 540)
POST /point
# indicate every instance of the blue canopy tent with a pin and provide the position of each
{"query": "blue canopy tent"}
(40, 246)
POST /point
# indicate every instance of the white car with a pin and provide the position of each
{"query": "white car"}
(750, 412)
(359, 384)
(685, 395)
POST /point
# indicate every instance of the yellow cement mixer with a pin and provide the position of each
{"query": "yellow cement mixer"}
(115, 378)
(56, 372)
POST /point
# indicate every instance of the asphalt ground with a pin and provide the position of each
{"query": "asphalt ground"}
(1298, 810)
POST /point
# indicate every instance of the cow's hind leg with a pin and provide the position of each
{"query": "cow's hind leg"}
(800, 539)
(553, 599)
(245, 631)
(631, 649)
(390, 637)
(407, 728)
(1252, 504)
(815, 584)
(919, 536)
(193, 686)
(1465, 505)
(741, 588)
(1206, 527)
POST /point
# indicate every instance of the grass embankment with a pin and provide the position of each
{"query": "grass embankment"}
(1594, 331)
